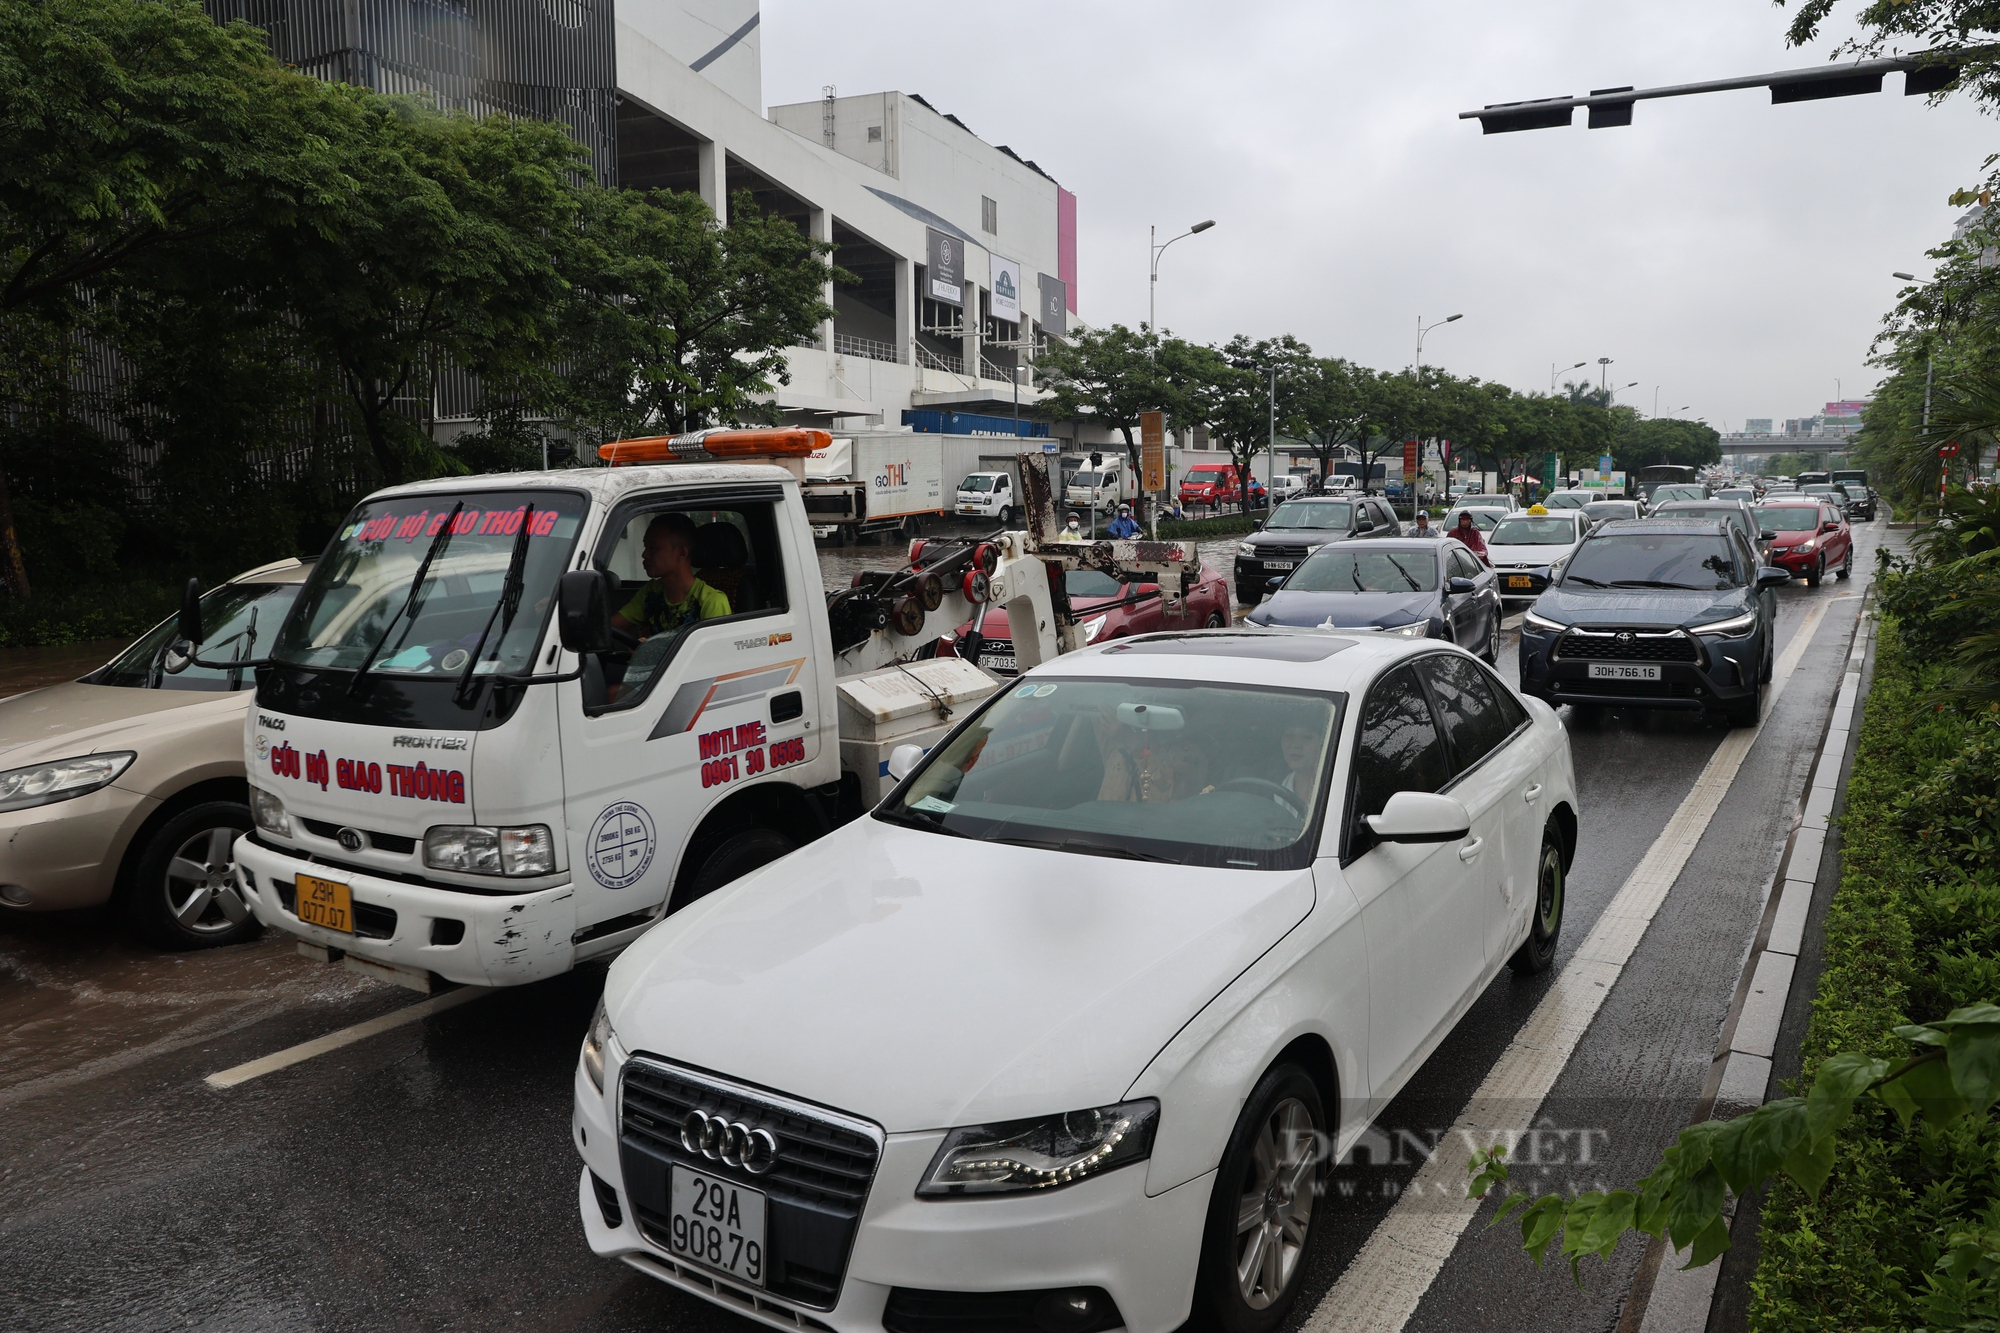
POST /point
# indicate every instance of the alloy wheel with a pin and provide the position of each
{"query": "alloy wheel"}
(1549, 892)
(1274, 1213)
(201, 884)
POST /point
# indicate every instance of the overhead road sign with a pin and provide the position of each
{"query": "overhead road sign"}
(1923, 74)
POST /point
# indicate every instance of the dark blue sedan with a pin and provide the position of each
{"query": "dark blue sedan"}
(1419, 587)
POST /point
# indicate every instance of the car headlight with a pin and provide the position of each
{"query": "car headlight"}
(1021, 1156)
(1416, 629)
(1806, 546)
(476, 850)
(1245, 548)
(1733, 628)
(45, 784)
(1093, 627)
(1541, 624)
(269, 813)
(594, 1042)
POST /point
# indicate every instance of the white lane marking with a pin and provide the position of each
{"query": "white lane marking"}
(333, 1041)
(1380, 1289)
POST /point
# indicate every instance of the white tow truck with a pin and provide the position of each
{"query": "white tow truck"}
(461, 771)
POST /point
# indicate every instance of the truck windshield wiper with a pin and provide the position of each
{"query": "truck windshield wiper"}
(503, 610)
(1088, 848)
(410, 602)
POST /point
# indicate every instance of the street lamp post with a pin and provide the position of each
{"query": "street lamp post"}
(1422, 329)
(1153, 279)
(1928, 364)
(1418, 376)
(1552, 374)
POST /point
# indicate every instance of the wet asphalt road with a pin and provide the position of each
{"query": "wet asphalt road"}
(423, 1178)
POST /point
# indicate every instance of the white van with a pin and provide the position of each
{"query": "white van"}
(988, 495)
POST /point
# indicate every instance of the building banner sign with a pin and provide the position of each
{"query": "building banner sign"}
(1152, 451)
(1055, 305)
(1006, 287)
(944, 258)
(1412, 451)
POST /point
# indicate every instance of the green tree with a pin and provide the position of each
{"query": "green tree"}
(1109, 376)
(1659, 440)
(1337, 406)
(1238, 390)
(679, 323)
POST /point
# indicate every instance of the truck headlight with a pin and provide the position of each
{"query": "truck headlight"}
(45, 784)
(1093, 627)
(594, 1042)
(1245, 548)
(1020, 1156)
(477, 850)
(269, 813)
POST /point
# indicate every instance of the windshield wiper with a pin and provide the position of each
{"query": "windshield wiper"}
(410, 602)
(510, 601)
(1655, 583)
(909, 819)
(1087, 848)
(1578, 578)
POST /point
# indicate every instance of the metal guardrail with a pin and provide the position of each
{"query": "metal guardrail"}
(926, 357)
(846, 344)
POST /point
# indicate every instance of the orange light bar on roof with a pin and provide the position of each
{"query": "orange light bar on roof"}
(715, 446)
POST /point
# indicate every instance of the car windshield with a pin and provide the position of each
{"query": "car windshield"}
(1560, 501)
(1091, 583)
(1789, 518)
(1346, 568)
(1482, 519)
(1499, 501)
(1735, 493)
(1534, 531)
(1818, 488)
(358, 609)
(240, 620)
(1335, 514)
(1190, 772)
(1694, 560)
(1084, 479)
(1598, 510)
(976, 482)
(1663, 494)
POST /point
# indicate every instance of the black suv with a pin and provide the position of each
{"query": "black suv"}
(1656, 613)
(1299, 527)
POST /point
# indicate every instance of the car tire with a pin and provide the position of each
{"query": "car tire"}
(1538, 951)
(1847, 565)
(1277, 1155)
(736, 856)
(1818, 573)
(183, 893)
(1215, 620)
(1492, 654)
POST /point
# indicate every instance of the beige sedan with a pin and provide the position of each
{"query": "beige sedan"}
(127, 786)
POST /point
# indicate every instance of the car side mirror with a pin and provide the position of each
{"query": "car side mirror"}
(1420, 816)
(583, 615)
(903, 760)
(1829, 527)
(1273, 584)
(1767, 535)
(1770, 576)
(1460, 585)
(190, 618)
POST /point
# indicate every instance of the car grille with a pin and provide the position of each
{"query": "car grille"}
(814, 1195)
(1626, 646)
(384, 842)
(1283, 551)
(1628, 689)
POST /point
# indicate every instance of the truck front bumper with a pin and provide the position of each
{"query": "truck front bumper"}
(469, 938)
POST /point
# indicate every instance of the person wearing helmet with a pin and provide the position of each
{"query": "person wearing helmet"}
(1124, 527)
(1073, 531)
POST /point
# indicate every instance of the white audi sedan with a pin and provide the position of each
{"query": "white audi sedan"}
(1067, 1033)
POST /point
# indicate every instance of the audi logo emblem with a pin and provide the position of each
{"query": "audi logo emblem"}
(730, 1142)
(353, 839)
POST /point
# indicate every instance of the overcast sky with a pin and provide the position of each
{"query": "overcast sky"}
(1734, 253)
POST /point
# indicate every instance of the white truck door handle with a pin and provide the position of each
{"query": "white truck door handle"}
(1471, 849)
(1533, 793)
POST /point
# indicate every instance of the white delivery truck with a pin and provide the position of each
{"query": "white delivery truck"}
(1103, 483)
(462, 768)
(995, 491)
(888, 481)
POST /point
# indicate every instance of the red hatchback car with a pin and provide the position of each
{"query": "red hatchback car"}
(1105, 609)
(1807, 539)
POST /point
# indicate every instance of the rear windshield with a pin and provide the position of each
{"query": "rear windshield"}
(1498, 501)
(1654, 560)
(1536, 531)
(1788, 518)
(1344, 568)
(1336, 514)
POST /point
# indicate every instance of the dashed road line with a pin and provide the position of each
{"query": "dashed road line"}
(333, 1041)
(1402, 1257)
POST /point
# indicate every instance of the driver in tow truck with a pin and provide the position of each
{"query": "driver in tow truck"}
(674, 597)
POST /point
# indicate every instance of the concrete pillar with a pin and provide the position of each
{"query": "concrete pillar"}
(906, 310)
(969, 344)
(822, 230)
(712, 166)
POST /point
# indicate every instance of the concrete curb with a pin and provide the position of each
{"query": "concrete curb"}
(1664, 1298)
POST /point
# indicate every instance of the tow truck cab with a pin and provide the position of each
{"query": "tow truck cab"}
(459, 769)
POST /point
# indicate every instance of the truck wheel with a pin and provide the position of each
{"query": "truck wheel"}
(183, 890)
(738, 855)
(1007, 516)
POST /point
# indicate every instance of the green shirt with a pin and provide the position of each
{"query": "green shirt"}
(650, 613)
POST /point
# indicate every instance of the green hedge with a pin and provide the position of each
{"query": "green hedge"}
(1202, 529)
(61, 613)
(1912, 931)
